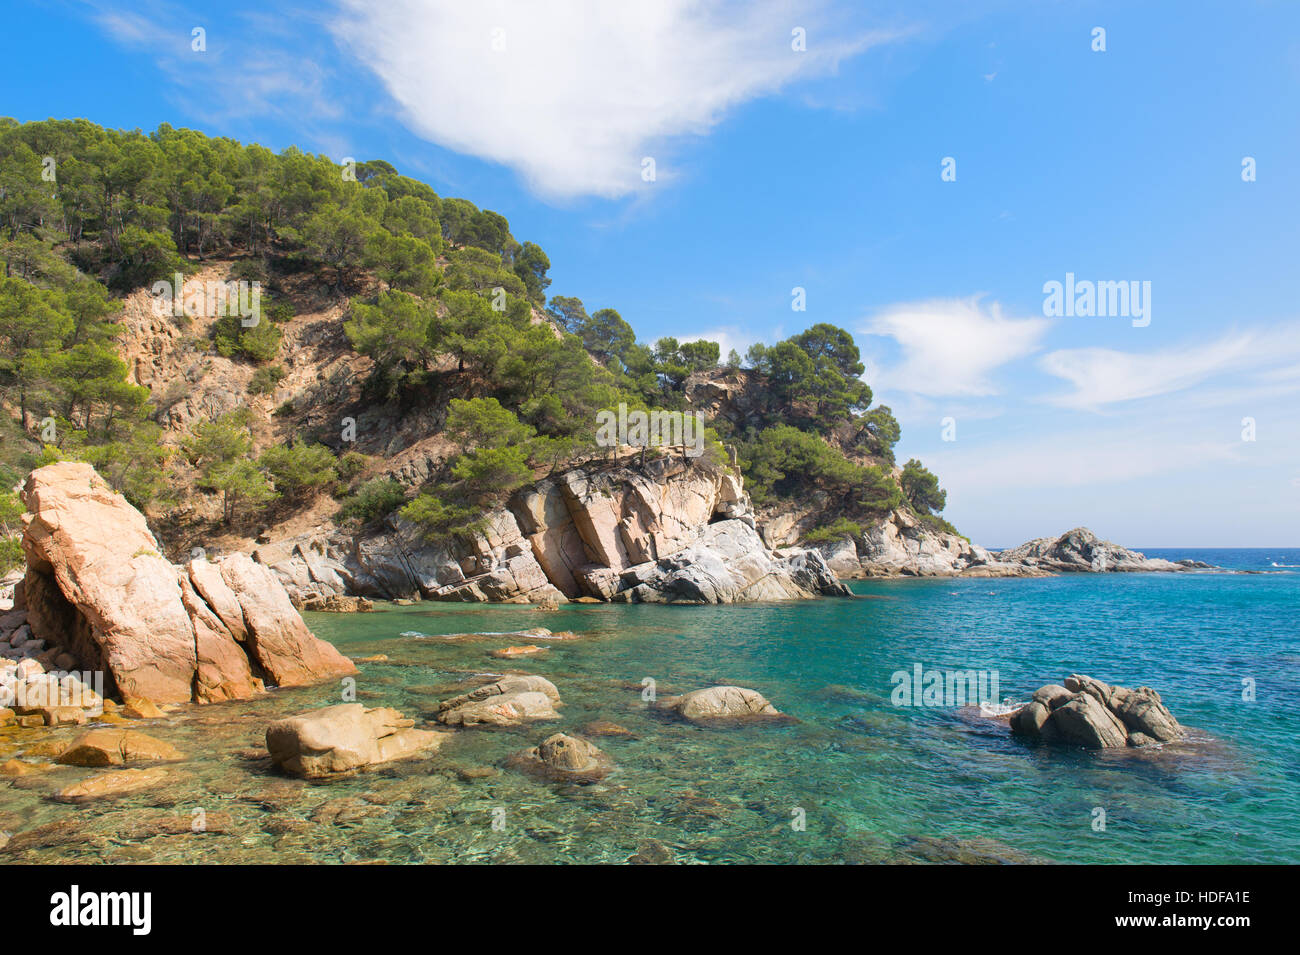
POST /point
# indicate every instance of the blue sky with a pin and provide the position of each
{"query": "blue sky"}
(821, 169)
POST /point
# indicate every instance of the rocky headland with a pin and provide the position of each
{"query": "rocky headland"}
(902, 546)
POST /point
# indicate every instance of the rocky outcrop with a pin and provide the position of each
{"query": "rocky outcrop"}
(1086, 712)
(510, 701)
(342, 738)
(720, 703)
(903, 546)
(564, 758)
(98, 588)
(1080, 550)
(668, 530)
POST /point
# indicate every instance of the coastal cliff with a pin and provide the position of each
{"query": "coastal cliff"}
(669, 531)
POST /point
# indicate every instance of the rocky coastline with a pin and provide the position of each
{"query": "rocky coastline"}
(670, 531)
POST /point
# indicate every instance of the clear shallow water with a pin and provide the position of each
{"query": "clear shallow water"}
(875, 782)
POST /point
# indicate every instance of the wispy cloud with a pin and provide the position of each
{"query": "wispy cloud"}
(951, 346)
(573, 94)
(1105, 376)
(241, 68)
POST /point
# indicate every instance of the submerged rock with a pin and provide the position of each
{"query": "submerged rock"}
(112, 784)
(1086, 712)
(950, 850)
(511, 653)
(603, 728)
(565, 758)
(510, 701)
(113, 747)
(341, 738)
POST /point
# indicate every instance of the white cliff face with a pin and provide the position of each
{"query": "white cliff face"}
(671, 531)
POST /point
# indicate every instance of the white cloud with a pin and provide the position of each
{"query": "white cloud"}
(727, 337)
(574, 93)
(951, 346)
(1103, 376)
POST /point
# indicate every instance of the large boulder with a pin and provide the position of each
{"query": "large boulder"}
(728, 563)
(338, 739)
(1142, 711)
(98, 587)
(1087, 722)
(1087, 712)
(721, 703)
(510, 701)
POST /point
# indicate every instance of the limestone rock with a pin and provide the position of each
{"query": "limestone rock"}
(1052, 695)
(1142, 711)
(593, 533)
(337, 603)
(1086, 721)
(1030, 719)
(281, 643)
(899, 545)
(348, 736)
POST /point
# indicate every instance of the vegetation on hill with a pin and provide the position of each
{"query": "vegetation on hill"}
(448, 305)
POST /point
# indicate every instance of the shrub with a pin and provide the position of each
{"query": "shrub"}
(837, 529)
(265, 379)
(373, 501)
(300, 468)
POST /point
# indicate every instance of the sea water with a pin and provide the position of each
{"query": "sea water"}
(853, 778)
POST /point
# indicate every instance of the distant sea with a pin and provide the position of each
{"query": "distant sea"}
(1268, 559)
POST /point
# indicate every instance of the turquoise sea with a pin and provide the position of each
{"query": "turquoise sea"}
(853, 779)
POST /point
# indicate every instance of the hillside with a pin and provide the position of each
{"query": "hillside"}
(395, 381)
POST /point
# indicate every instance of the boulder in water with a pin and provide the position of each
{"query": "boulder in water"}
(509, 701)
(721, 703)
(1087, 712)
(566, 758)
(341, 738)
